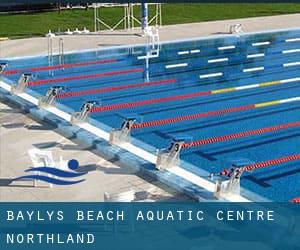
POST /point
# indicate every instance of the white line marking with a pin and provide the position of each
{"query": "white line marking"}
(291, 99)
(247, 87)
(261, 43)
(5, 86)
(290, 80)
(183, 52)
(211, 75)
(226, 47)
(171, 66)
(291, 64)
(218, 60)
(292, 40)
(290, 51)
(145, 57)
(193, 178)
(253, 69)
(195, 51)
(59, 113)
(256, 55)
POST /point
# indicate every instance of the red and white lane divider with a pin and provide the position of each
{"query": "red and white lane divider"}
(265, 164)
(81, 77)
(116, 88)
(189, 96)
(241, 134)
(296, 200)
(212, 113)
(54, 67)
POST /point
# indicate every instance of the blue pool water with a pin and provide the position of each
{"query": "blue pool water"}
(237, 61)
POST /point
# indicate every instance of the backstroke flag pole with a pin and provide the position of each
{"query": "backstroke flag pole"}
(144, 10)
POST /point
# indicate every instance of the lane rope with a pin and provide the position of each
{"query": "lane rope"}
(111, 89)
(296, 200)
(188, 96)
(65, 66)
(160, 122)
(80, 77)
(240, 135)
(268, 163)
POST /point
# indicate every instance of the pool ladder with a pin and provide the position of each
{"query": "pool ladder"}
(50, 53)
(61, 53)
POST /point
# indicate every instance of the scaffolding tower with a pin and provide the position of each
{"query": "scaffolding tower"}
(129, 20)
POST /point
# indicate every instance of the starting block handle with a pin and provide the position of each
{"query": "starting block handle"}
(122, 135)
(84, 113)
(169, 157)
(50, 97)
(3, 65)
(22, 83)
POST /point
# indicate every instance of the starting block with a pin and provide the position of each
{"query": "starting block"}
(50, 97)
(22, 84)
(231, 185)
(122, 135)
(170, 157)
(3, 65)
(84, 113)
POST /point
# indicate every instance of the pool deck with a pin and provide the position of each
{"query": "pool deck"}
(106, 176)
(18, 133)
(38, 45)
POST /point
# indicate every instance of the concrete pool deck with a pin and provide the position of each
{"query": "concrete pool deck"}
(108, 177)
(38, 45)
(19, 133)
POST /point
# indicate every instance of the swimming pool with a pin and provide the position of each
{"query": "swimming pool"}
(232, 98)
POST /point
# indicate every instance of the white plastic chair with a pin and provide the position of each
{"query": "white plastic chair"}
(40, 158)
(236, 29)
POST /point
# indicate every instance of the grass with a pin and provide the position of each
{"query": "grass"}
(38, 24)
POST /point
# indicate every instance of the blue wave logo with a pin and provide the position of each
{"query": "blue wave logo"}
(62, 174)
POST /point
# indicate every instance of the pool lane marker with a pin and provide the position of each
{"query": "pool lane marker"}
(290, 51)
(178, 65)
(261, 44)
(186, 52)
(81, 77)
(176, 119)
(253, 69)
(116, 88)
(147, 56)
(226, 47)
(292, 40)
(225, 59)
(65, 66)
(238, 135)
(211, 75)
(256, 55)
(188, 96)
(194, 51)
(291, 64)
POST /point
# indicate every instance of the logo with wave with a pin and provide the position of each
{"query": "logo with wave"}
(54, 175)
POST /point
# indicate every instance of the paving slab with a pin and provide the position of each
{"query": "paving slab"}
(38, 45)
(18, 133)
